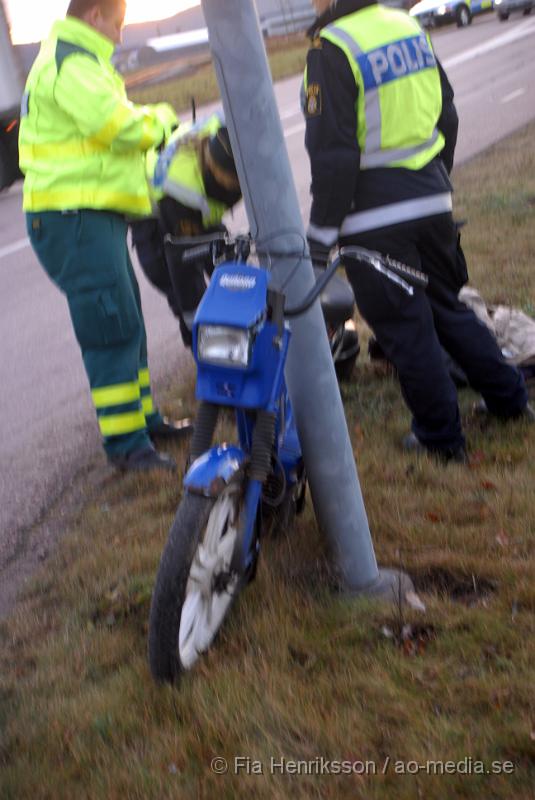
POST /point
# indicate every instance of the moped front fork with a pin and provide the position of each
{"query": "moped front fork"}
(247, 544)
(258, 469)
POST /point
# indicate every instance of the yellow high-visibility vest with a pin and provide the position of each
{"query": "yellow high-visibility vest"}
(81, 140)
(177, 171)
(399, 94)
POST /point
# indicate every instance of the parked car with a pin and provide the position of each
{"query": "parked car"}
(432, 13)
(504, 7)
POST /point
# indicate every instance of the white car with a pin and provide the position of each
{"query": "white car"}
(432, 13)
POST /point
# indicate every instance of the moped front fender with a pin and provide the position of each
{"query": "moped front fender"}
(214, 469)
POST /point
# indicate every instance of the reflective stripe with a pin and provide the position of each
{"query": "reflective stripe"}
(109, 131)
(77, 148)
(144, 377)
(396, 212)
(147, 405)
(115, 395)
(372, 105)
(59, 151)
(84, 197)
(327, 236)
(303, 95)
(186, 196)
(118, 424)
(384, 157)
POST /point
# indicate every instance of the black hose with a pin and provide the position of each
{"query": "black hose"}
(262, 447)
(203, 432)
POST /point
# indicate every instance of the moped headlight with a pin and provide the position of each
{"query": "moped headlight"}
(220, 344)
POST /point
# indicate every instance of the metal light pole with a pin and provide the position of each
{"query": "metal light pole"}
(275, 222)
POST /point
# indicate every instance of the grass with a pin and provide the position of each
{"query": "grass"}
(286, 56)
(298, 673)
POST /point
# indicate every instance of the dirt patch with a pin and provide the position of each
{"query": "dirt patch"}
(466, 588)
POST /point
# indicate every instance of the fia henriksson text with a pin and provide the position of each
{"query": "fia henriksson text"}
(279, 765)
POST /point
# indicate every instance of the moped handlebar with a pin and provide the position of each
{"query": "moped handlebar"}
(220, 244)
(317, 289)
(216, 246)
(199, 247)
(194, 253)
(404, 276)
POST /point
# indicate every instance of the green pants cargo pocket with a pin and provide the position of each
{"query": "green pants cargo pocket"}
(99, 320)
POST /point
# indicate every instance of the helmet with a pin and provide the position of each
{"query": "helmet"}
(219, 170)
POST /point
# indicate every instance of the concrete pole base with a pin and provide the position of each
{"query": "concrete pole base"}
(391, 586)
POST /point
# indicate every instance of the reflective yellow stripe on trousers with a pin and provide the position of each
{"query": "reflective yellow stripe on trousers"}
(118, 395)
(146, 397)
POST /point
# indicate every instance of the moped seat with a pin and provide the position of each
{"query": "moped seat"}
(337, 300)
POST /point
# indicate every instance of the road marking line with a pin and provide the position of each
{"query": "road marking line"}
(524, 29)
(14, 248)
(512, 95)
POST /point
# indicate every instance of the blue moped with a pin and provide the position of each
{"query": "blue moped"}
(240, 344)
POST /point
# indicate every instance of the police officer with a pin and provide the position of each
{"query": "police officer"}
(381, 129)
(193, 182)
(82, 146)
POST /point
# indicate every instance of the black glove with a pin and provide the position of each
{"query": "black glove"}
(319, 253)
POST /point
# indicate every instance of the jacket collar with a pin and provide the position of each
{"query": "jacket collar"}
(340, 9)
(73, 30)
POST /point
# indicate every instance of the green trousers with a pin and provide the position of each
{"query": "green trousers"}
(86, 255)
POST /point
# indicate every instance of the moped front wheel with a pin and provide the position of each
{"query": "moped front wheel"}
(195, 585)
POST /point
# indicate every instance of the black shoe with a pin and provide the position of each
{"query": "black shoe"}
(526, 415)
(170, 429)
(458, 455)
(143, 460)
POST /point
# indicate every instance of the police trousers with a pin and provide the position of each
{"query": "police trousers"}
(85, 254)
(412, 330)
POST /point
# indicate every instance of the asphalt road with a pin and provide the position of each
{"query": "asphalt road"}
(49, 441)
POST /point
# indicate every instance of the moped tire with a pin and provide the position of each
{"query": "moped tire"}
(194, 587)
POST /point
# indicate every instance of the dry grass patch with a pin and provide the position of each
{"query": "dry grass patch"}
(300, 673)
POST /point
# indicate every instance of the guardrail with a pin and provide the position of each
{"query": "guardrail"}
(290, 22)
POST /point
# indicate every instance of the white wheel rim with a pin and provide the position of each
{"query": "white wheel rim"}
(204, 608)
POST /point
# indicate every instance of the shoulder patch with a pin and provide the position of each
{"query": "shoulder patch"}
(317, 43)
(313, 100)
(65, 49)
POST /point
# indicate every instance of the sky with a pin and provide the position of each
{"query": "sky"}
(31, 19)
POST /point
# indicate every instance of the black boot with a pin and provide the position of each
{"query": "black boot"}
(143, 460)
(171, 429)
(457, 455)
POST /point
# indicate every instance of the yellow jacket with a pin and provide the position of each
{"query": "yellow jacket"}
(81, 140)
